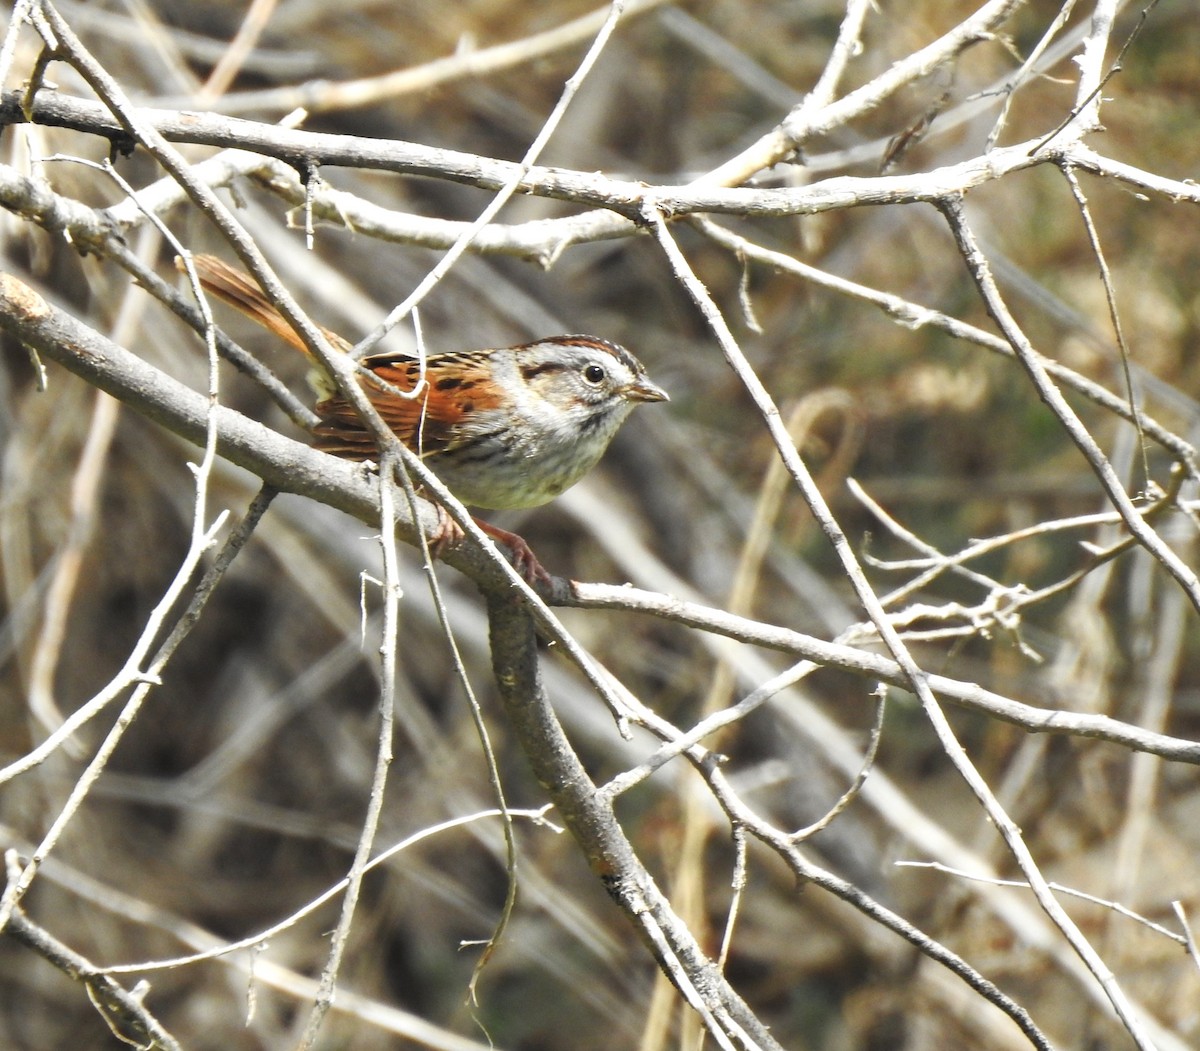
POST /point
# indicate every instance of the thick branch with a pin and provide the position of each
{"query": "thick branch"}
(593, 823)
(282, 463)
(292, 467)
(305, 150)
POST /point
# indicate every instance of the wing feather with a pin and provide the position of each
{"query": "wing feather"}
(458, 385)
(457, 388)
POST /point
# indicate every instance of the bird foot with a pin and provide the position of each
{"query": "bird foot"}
(448, 533)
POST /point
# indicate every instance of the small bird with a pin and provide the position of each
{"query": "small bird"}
(503, 428)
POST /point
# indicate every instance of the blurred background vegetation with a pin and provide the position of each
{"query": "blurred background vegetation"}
(238, 794)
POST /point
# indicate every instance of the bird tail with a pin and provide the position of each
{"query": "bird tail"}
(237, 289)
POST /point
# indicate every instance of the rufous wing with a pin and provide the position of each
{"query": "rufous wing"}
(458, 387)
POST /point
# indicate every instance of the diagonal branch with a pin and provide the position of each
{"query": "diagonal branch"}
(592, 821)
(1048, 391)
(123, 1012)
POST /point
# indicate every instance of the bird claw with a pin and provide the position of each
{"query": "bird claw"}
(524, 561)
(448, 533)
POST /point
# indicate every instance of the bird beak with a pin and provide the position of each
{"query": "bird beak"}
(644, 390)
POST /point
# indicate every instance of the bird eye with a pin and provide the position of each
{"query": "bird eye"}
(594, 374)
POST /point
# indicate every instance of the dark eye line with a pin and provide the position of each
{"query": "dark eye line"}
(530, 371)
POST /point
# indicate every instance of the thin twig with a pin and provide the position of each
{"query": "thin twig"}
(383, 757)
(142, 680)
(1188, 936)
(125, 1014)
(804, 122)
(1058, 888)
(916, 678)
(807, 872)
(592, 822)
(504, 192)
(916, 316)
(1110, 295)
(1085, 115)
(21, 16)
(263, 937)
(324, 96)
(855, 786)
(1048, 391)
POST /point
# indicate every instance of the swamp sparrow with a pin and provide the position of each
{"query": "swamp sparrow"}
(502, 429)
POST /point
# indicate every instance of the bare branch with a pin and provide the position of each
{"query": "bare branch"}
(590, 818)
(123, 1012)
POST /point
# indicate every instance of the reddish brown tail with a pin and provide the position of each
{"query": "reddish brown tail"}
(237, 289)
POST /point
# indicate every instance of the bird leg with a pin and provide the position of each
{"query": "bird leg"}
(448, 533)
